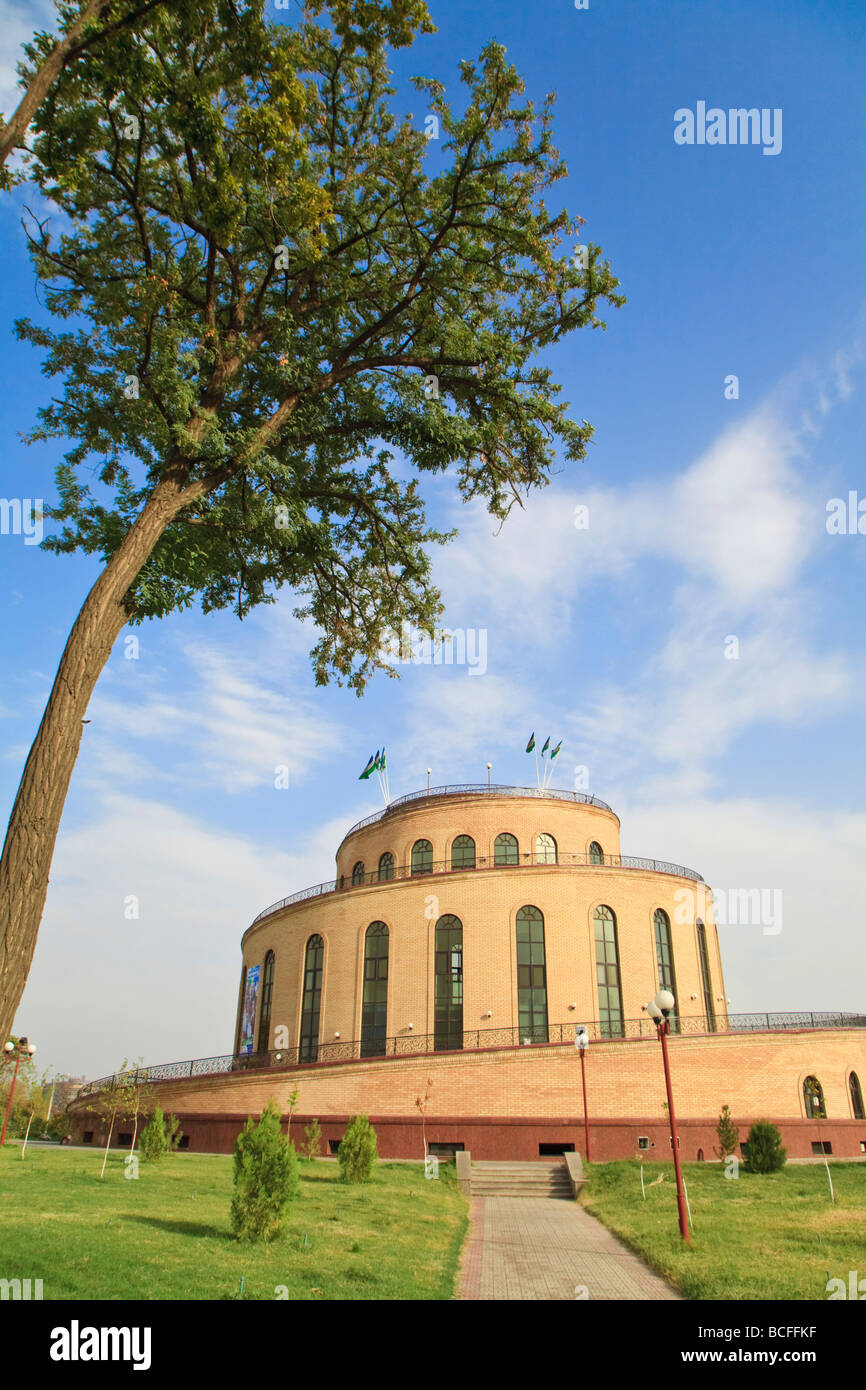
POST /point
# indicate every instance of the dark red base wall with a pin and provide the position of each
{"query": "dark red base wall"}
(400, 1136)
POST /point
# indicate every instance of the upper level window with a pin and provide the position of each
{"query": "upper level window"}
(505, 849)
(358, 872)
(265, 1011)
(596, 853)
(374, 1004)
(545, 849)
(386, 867)
(422, 857)
(311, 999)
(813, 1095)
(607, 973)
(463, 853)
(856, 1096)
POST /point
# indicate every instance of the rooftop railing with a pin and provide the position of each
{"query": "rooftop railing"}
(399, 872)
(412, 1045)
(481, 789)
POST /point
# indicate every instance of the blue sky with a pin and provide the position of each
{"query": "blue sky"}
(707, 519)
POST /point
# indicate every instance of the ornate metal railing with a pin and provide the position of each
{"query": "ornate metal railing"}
(471, 1040)
(480, 789)
(399, 872)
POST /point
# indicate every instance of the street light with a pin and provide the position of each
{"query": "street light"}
(658, 1010)
(581, 1042)
(21, 1048)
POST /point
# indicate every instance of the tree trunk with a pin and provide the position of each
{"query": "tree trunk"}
(13, 132)
(38, 806)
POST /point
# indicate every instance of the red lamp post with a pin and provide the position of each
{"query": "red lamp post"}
(658, 1011)
(581, 1042)
(22, 1048)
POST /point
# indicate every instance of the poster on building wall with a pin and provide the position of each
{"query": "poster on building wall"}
(248, 1018)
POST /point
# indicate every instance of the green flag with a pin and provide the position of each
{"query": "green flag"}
(531, 744)
(382, 761)
(546, 746)
(554, 751)
(369, 769)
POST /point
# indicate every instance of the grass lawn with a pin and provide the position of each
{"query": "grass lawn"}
(753, 1237)
(166, 1235)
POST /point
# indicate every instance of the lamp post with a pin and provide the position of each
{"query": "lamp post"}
(658, 1010)
(21, 1048)
(581, 1042)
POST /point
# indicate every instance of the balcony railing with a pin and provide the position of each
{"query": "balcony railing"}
(399, 872)
(414, 1045)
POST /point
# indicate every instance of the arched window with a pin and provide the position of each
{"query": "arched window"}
(505, 849)
(531, 975)
(665, 960)
(545, 849)
(358, 872)
(813, 1095)
(386, 867)
(265, 1009)
(374, 1007)
(422, 857)
(596, 853)
(607, 973)
(709, 1007)
(463, 853)
(856, 1096)
(448, 1002)
(311, 999)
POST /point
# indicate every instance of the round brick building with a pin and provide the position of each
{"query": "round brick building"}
(469, 931)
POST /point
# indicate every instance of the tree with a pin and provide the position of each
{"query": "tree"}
(154, 1142)
(357, 1153)
(118, 1099)
(292, 1105)
(421, 1104)
(265, 1177)
(728, 1134)
(766, 1153)
(173, 1133)
(81, 26)
(271, 296)
(313, 1140)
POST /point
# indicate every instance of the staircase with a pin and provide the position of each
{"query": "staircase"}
(533, 1179)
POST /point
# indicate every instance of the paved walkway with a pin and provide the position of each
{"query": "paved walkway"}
(544, 1248)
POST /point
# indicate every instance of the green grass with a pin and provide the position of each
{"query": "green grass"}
(166, 1235)
(754, 1237)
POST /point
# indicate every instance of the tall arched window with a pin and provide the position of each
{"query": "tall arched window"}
(505, 849)
(265, 1007)
(709, 1006)
(596, 853)
(607, 973)
(545, 849)
(531, 975)
(856, 1096)
(386, 867)
(358, 872)
(448, 1002)
(374, 1007)
(422, 857)
(463, 853)
(813, 1095)
(665, 960)
(311, 1000)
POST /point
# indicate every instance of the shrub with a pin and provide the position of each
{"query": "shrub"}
(357, 1153)
(728, 1134)
(313, 1137)
(153, 1142)
(766, 1153)
(265, 1177)
(173, 1133)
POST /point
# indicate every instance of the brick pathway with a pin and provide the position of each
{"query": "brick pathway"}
(541, 1248)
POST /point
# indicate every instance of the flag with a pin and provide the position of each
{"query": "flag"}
(369, 769)
(531, 744)
(546, 746)
(554, 751)
(382, 761)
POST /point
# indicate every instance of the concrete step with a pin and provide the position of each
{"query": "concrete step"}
(512, 1178)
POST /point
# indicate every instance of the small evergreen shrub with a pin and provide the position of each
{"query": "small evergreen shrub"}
(153, 1142)
(766, 1153)
(173, 1133)
(265, 1177)
(357, 1153)
(312, 1146)
(727, 1133)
